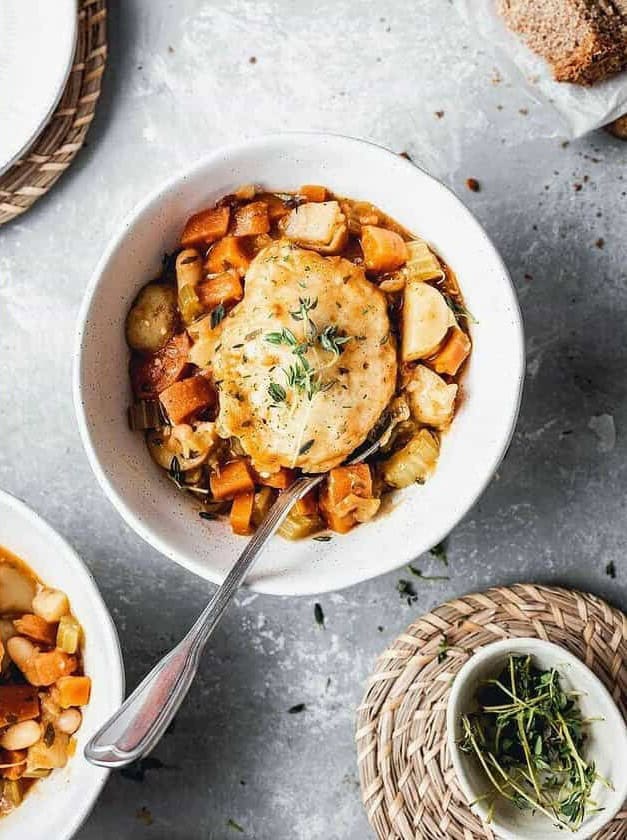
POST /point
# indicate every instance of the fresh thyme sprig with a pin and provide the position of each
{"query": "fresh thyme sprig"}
(331, 340)
(300, 375)
(528, 737)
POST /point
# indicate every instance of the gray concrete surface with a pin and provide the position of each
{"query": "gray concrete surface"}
(182, 80)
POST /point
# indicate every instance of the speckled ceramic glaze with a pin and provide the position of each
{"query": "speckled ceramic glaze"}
(420, 516)
(57, 805)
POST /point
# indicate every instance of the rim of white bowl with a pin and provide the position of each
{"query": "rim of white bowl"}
(269, 586)
(465, 673)
(117, 683)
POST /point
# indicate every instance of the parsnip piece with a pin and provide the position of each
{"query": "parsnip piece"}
(318, 225)
(431, 400)
(426, 320)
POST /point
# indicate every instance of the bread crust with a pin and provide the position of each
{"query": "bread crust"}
(584, 41)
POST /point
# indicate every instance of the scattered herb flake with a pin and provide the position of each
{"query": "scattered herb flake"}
(206, 514)
(439, 552)
(217, 315)
(443, 649)
(610, 569)
(277, 392)
(420, 574)
(295, 710)
(319, 615)
(306, 447)
(230, 823)
(323, 538)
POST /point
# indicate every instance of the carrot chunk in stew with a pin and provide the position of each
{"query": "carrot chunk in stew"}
(242, 513)
(225, 288)
(187, 397)
(384, 250)
(36, 629)
(251, 219)
(73, 691)
(205, 227)
(231, 479)
(226, 253)
(453, 354)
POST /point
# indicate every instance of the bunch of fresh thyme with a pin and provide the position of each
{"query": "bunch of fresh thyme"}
(528, 736)
(300, 375)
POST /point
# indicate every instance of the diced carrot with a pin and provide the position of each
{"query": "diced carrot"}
(453, 354)
(225, 288)
(279, 480)
(251, 219)
(206, 226)
(241, 513)
(231, 479)
(342, 482)
(277, 208)
(17, 758)
(308, 505)
(339, 524)
(187, 397)
(73, 691)
(384, 250)
(46, 668)
(226, 253)
(18, 702)
(36, 629)
(313, 192)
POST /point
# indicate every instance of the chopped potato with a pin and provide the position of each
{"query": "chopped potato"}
(431, 400)
(50, 604)
(152, 319)
(317, 225)
(426, 320)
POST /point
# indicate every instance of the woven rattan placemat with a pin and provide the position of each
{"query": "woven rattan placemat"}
(408, 783)
(55, 148)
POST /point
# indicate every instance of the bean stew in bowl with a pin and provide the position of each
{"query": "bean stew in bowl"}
(42, 687)
(60, 677)
(279, 334)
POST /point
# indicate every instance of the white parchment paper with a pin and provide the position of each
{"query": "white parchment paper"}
(581, 109)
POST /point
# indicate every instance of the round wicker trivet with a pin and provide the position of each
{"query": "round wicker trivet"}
(408, 784)
(54, 149)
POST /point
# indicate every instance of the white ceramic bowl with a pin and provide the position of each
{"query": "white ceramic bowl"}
(606, 744)
(57, 805)
(472, 449)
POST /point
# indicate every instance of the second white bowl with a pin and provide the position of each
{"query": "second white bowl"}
(471, 450)
(56, 806)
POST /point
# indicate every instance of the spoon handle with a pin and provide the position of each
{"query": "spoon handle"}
(145, 715)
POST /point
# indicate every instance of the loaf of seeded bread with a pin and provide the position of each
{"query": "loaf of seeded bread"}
(584, 41)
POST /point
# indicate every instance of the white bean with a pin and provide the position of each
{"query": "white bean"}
(69, 721)
(20, 736)
(20, 650)
(51, 604)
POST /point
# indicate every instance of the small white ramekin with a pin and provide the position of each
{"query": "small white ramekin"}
(606, 744)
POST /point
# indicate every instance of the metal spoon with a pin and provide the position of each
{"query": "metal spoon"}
(138, 725)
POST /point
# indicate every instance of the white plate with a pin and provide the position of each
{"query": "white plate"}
(38, 42)
(471, 451)
(606, 744)
(56, 806)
